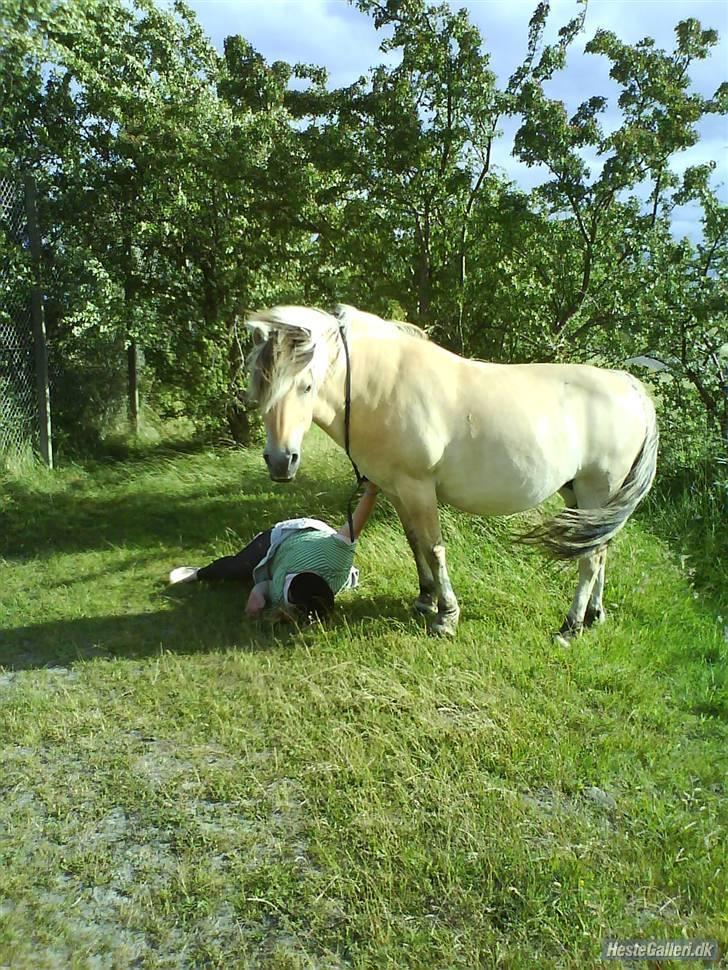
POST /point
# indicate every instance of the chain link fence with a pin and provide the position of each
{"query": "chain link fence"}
(18, 412)
(20, 415)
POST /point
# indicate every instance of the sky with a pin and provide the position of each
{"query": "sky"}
(335, 35)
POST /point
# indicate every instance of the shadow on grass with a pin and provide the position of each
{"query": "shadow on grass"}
(123, 448)
(35, 524)
(184, 624)
(361, 611)
(196, 618)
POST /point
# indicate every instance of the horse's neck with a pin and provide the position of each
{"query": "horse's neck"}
(328, 411)
(364, 344)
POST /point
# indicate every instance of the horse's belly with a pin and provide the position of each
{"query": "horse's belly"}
(504, 483)
(481, 498)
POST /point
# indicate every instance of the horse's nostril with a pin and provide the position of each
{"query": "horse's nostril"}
(266, 458)
(294, 457)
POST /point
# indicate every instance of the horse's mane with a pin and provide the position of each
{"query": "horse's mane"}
(288, 340)
(291, 339)
(350, 314)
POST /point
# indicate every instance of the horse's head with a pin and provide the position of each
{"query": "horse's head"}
(288, 363)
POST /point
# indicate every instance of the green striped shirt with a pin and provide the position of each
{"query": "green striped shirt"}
(311, 551)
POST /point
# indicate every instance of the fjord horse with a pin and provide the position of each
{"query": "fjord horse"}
(492, 439)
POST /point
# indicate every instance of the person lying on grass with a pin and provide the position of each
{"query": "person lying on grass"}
(298, 565)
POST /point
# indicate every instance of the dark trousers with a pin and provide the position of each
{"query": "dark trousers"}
(240, 566)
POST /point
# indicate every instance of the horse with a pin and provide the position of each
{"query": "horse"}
(429, 426)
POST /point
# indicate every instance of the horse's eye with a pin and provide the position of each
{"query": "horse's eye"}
(307, 388)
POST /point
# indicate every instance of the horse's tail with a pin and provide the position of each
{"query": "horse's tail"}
(574, 533)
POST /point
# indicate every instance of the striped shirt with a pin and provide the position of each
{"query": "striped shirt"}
(310, 551)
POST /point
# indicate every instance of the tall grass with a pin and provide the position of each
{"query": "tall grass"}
(689, 508)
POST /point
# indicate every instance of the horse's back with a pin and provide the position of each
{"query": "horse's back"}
(499, 438)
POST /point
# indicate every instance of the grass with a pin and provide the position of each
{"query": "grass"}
(181, 788)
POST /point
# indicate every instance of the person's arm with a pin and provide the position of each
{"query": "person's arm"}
(363, 510)
(257, 600)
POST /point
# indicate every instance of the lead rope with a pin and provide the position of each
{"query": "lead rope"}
(347, 417)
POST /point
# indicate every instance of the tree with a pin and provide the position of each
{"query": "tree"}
(610, 219)
(405, 152)
(683, 303)
(166, 175)
(180, 188)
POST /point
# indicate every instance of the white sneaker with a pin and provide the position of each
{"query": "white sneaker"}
(183, 574)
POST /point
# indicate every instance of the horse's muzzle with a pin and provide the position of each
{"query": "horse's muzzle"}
(282, 464)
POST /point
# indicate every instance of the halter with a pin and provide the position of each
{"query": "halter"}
(347, 418)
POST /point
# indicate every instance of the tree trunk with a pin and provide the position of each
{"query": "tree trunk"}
(239, 422)
(240, 417)
(424, 272)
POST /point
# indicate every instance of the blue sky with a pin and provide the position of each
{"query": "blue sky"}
(335, 35)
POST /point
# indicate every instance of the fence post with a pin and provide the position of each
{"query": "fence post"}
(39, 331)
(132, 370)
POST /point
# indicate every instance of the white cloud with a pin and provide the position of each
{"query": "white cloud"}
(336, 35)
(327, 33)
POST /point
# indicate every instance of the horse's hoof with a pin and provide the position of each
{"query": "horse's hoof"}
(595, 617)
(425, 607)
(568, 632)
(445, 625)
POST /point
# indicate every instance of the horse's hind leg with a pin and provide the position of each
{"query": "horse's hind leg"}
(572, 626)
(426, 602)
(448, 611)
(595, 612)
(586, 607)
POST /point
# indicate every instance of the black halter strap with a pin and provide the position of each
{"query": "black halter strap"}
(347, 419)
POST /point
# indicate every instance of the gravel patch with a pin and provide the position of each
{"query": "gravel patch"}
(155, 885)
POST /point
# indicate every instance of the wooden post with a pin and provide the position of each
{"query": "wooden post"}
(132, 352)
(132, 357)
(40, 345)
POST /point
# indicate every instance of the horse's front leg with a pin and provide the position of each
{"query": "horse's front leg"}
(426, 602)
(417, 504)
(448, 612)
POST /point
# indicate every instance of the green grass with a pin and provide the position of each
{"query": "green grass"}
(180, 787)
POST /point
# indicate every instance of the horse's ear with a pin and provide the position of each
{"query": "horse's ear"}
(260, 331)
(301, 324)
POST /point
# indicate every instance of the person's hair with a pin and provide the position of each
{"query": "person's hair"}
(312, 595)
